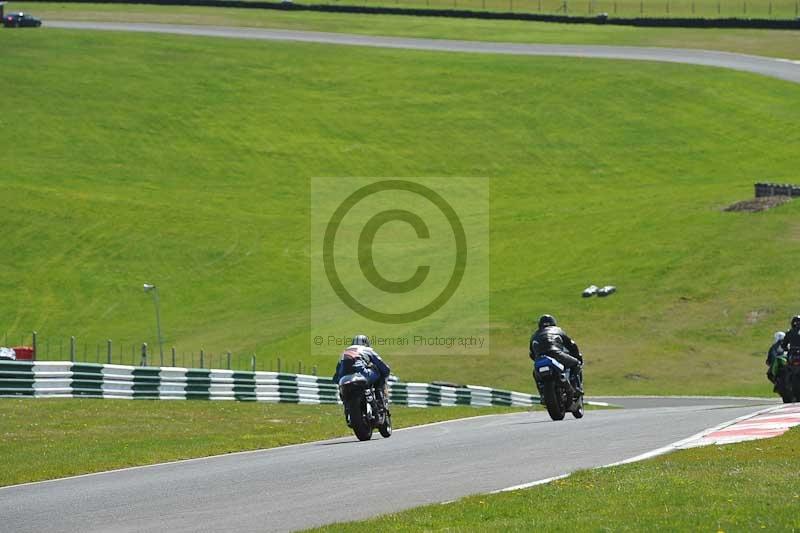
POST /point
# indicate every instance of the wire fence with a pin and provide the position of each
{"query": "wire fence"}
(770, 9)
(55, 348)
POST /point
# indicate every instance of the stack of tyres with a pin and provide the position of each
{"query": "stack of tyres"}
(607, 290)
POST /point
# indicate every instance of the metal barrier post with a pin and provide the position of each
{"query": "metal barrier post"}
(144, 354)
(110, 350)
(173, 356)
(72, 348)
(229, 360)
(34, 333)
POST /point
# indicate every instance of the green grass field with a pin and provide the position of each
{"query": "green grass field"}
(761, 42)
(186, 162)
(47, 439)
(739, 487)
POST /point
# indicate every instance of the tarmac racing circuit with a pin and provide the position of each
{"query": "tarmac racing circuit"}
(301, 486)
(784, 69)
(306, 485)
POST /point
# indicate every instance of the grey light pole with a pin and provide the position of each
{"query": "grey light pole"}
(148, 287)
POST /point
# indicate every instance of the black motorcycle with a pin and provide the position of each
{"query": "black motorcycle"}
(363, 410)
(788, 380)
(557, 393)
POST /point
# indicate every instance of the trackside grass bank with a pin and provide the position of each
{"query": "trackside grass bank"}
(740, 487)
(760, 42)
(46, 439)
(186, 162)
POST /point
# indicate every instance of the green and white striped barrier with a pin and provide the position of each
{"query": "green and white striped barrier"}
(59, 379)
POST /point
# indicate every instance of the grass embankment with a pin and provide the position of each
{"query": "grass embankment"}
(46, 439)
(740, 487)
(760, 42)
(185, 162)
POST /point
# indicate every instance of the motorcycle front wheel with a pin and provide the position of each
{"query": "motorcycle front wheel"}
(553, 402)
(386, 427)
(578, 412)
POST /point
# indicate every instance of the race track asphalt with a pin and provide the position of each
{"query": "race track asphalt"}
(296, 487)
(777, 68)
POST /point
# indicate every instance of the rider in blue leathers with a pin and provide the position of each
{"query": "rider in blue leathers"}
(360, 358)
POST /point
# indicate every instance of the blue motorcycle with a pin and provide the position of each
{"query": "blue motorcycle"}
(558, 394)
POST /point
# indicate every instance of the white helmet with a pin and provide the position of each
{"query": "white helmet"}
(779, 335)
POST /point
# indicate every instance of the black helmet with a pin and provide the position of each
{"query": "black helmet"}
(546, 320)
(361, 340)
(796, 321)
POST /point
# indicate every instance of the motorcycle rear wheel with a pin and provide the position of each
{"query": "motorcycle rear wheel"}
(360, 424)
(794, 388)
(553, 402)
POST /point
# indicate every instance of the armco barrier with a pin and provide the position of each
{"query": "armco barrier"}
(61, 379)
(776, 24)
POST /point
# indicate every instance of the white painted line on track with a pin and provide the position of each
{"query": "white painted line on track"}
(178, 461)
(681, 444)
(244, 452)
(531, 484)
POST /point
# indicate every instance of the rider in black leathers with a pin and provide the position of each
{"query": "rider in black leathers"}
(791, 342)
(551, 340)
(789, 346)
